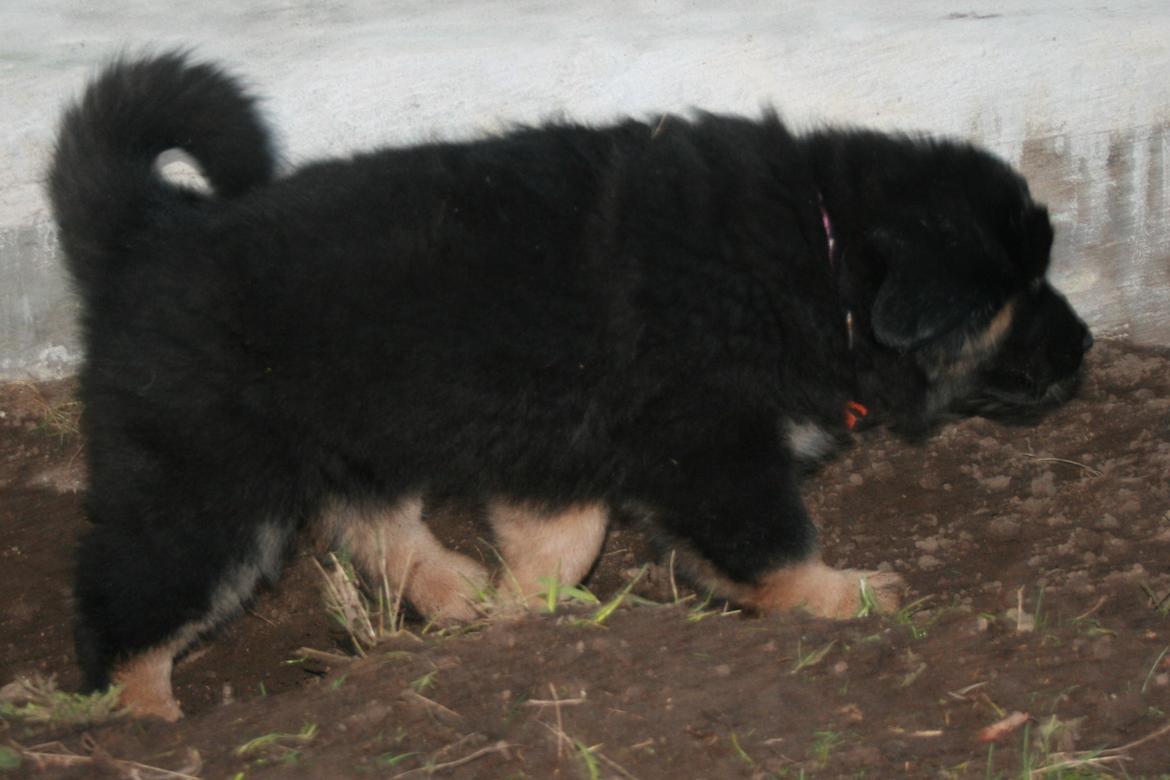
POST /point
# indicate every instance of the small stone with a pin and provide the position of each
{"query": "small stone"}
(927, 545)
(1004, 528)
(1135, 573)
(1044, 485)
(851, 713)
(928, 562)
(1035, 506)
(997, 483)
(1102, 648)
(1086, 539)
(1116, 548)
(1107, 523)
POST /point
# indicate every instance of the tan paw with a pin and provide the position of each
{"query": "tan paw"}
(139, 706)
(827, 592)
(145, 681)
(541, 547)
(447, 588)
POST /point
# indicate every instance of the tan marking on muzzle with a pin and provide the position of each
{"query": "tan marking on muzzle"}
(977, 346)
(995, 331)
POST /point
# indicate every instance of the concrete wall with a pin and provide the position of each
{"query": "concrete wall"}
(1077, 94)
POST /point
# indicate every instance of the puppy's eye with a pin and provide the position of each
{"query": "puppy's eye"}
(1037, 284)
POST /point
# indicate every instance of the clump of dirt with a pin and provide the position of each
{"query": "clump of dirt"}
(1037, 634)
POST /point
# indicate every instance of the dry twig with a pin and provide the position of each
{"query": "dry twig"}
(1001, 728)
(55, 755)
(415, 695)
(499, 747)
(1043, 459)
(323, 656)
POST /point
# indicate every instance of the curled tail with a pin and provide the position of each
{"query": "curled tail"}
(103, 183)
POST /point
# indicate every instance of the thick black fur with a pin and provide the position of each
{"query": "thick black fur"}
(625, 314)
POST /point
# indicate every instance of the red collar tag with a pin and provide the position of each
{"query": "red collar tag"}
(854, 413)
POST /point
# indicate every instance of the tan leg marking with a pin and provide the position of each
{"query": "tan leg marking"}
(145, 680)
(536, 544)
(395, 542)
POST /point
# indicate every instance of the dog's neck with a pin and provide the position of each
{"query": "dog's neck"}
(831, 251)
(854, 411)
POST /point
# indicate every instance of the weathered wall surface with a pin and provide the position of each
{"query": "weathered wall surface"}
(1077, 95)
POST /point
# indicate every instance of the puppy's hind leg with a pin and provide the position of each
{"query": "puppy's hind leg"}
(145, 592)
(393, 542)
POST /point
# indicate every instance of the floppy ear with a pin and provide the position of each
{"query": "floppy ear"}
(1036, 233)
(923, 296)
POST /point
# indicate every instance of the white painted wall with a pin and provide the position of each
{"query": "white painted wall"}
(1077, 94)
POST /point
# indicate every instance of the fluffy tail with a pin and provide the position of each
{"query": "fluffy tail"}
(103, 183)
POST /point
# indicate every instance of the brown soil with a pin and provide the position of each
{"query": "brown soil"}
(1070, 519)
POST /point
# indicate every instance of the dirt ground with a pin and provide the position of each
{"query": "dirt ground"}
(1039, 559)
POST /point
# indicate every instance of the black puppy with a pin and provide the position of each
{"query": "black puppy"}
(556, 322)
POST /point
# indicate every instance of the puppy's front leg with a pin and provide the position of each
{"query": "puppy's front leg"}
(744, 532)
(538, 543)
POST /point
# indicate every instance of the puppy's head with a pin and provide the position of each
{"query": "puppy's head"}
(962, 296)
(1036, 366)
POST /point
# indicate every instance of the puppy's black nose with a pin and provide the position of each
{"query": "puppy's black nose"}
(1087, 341)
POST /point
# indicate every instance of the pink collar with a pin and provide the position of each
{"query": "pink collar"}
(831, 246)
(854, 412)
(830, 239)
